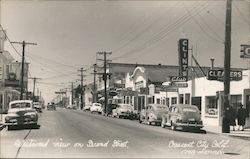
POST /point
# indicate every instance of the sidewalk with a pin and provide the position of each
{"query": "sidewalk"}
(237, 133)
(2, 121)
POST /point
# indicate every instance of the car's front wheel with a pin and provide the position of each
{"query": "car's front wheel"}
(173, 127)
(10, 127)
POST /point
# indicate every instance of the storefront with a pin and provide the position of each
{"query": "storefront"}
(6, 96)
(208, 97)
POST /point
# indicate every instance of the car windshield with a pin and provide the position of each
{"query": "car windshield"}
(193, 110)
(97, 104)
(20, 105)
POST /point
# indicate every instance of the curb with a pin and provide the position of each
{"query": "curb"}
(229, 135)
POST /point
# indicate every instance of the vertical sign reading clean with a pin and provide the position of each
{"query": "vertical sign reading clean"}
(183, 58)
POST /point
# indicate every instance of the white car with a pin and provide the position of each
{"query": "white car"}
(123, 111)
(96, 107)
(21, 112)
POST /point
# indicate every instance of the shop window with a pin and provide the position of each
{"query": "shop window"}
(167, 101)
(197, 102)
(158, 101)
(187, 98)
(127, 100)
(181, 98)
(235, 101)
(151, 100)
(174, 100)
(211, 105)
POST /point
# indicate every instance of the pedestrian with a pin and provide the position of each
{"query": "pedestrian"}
(232, 117)
(241, 117)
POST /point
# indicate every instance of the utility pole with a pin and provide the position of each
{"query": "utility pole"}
(72, 93)
(227, 61)
(22, 69)
(81, 71)
(94, 93)
(105, 79)
(34, 86)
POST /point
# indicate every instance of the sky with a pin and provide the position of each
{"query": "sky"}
(69, 33)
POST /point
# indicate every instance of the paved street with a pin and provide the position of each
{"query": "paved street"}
(74, 133)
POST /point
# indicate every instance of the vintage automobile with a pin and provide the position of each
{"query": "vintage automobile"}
(96, 108)
(51, 106)
(153, 114)
(38, 107)
(110, 108)
(21, 112)
(87, 107)
(72, 107)
(123, 111)
(183, 116)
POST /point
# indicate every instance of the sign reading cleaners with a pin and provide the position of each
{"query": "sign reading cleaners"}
(183, 58)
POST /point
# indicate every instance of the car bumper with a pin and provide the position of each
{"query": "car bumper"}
(194, 125)
(20, 123)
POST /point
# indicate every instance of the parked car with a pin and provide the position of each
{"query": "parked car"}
(38, 107)
(123, 111)
(153, 114)
(184, 116)
(72, 107)
(110, 108)
(87, 107)
(51, 106)
(96, 107)
(21, 112)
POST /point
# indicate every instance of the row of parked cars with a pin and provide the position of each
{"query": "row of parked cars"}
(113, 110)
(176, 116)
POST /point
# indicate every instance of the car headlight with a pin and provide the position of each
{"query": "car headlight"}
(7, 118)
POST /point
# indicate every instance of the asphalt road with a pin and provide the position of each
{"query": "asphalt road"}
(77, 134)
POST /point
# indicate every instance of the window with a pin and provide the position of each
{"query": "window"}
(151, 100)
(127, 100)
(158, 101)
(167, 101)
(187, 98)
(211, 105)
(235, 101)
(174, 100)
(181, 98)
(197, 102)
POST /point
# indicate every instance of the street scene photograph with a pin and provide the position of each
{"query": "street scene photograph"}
(125, 79)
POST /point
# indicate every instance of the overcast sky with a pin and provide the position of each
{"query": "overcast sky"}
(70, 32)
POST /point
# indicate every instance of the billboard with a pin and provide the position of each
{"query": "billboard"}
(183, 58)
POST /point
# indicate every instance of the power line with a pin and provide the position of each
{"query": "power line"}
(10, 41)
(161, 35)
